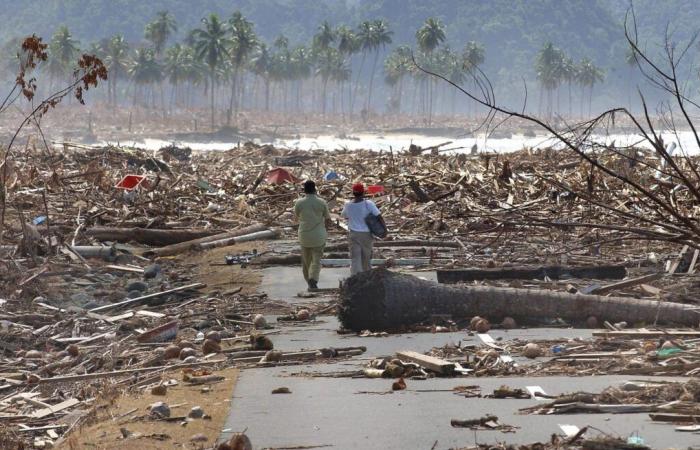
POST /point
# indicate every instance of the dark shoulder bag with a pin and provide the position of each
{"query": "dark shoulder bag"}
(375, 224)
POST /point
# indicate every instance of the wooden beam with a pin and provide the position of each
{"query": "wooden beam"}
(40, 414)
(436, 365)
(629, 282)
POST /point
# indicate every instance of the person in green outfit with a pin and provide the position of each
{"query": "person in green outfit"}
(312, 213)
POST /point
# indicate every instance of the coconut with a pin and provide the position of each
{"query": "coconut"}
(482, 326)
(272, 356)
(303, 314)
(185, 344)
(260, 342)
(509, 323)
(187, 351)
(238, 441)
(159, 390)
(472, 323)
(532, 350)
(259, 321)
(73, 350)
(211, 346)
(214, 336)
(172, 351)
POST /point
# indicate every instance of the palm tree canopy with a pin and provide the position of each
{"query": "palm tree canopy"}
(144, 68)
(160, 29)
(588, 73)
(324, 37)
(473, 55)
(62, 50)
(373, 34)
(117, 55)
(243, 39)
(261, 61)
(211, 42)
(549, 64)
(347, 40)
(430, 35)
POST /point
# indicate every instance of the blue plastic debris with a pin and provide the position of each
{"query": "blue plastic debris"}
(39, 220)
(331, 176)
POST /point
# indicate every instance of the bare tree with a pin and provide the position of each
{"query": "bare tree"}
(644, 189)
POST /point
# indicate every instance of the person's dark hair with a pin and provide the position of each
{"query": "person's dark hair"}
(309, 187)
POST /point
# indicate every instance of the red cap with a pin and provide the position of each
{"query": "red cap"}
(358, 188)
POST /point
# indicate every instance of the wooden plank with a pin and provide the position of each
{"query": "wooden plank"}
(691, 268)
(626, 283)
(40, 414)
(146, 313)
(677, 262)
(436, 365)
(651, 290)
(148, 297)
(124, 268)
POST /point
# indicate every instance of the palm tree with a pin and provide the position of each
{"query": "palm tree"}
(62, 51)
(261, 65)
(145, 71)
(328, 66)
(548, 69)
(429, 37)
(381, 37)
(211, 46)
(347, 46)
(175, 68)
(473, 55)
(396, 66)
(569, 74)
(364, 44)
(117, 61)
(242, 44)
(588, 75)
(160, 29)
(299, 65)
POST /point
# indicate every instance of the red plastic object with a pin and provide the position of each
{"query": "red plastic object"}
(130, 182)
(375, 189)
(280, 176)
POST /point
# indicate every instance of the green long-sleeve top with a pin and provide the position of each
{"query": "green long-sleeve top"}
(312, 212)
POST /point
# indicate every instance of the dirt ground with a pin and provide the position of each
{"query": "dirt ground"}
(210, 269)
(130, 412)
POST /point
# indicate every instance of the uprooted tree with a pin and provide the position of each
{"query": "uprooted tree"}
(648, 190)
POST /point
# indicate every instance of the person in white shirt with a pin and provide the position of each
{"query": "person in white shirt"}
(359, 237)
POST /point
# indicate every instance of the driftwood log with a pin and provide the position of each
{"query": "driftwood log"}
(147, 236)
(607, 272)
(384, 300)
(186, 246)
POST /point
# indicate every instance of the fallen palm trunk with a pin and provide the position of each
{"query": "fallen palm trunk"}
(398, 243)
(147, 236)
(381, 300)
(182, 247)
(258, 235)
(529, 273)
